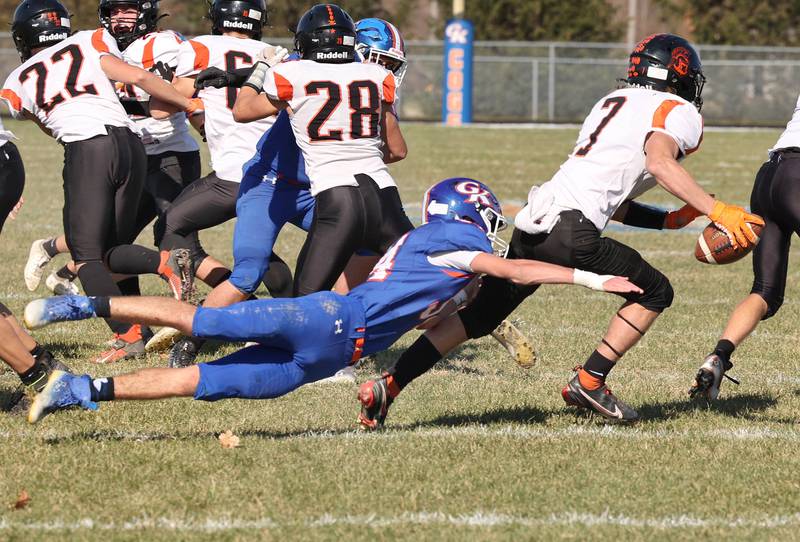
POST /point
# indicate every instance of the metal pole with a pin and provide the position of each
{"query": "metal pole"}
(458, 8)
(535, 90)
(551, 83)
(632, 37)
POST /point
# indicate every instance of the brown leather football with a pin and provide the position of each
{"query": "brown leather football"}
(714, 247)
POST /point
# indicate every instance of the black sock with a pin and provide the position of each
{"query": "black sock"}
(97, 281)
(102, 306)
(37, 351)
(724, 349)
(129, 286)
(49, 246)
(65, 273)
(133, 260)
(598, 365)
(415, 361)
(36, 376)
(102, 389)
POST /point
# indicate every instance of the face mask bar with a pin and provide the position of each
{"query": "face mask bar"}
(495, 223)
(393, 62)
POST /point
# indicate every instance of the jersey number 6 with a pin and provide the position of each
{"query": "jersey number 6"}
(365, 113)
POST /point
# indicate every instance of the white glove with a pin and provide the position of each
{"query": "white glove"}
(271, 55)
(591, 280)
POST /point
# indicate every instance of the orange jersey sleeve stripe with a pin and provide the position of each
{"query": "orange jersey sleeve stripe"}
(148, 57)
(285, 89)
(98, 43)
(660, 116)
(388, 89)
(200, 55)
(12, 98)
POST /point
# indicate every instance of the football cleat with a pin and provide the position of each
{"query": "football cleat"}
(600, 400)
(178, 271)
(126, 346)
(163, 340)
(34, 267)
(20, 399)
(516, 343)
(63, 390)
(342, 376)
(709, 377)
(375, 399)
(63, 308)
(60, 286)
(184, 353)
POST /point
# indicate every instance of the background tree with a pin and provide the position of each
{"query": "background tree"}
(533, 20)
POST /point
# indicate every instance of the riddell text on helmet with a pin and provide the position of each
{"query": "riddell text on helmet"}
(332, 55)
(237, 24)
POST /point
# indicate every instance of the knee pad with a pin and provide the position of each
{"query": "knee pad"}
(773, 299)
(248, 273)
(658, 295)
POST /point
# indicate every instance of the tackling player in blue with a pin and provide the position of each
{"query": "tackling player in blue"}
(423, 277)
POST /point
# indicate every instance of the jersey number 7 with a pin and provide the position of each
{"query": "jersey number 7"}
(365, 110)
(616, 104)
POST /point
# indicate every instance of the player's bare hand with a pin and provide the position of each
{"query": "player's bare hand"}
(15, 211)
(734, 221)
(272, 55)
(621, 285)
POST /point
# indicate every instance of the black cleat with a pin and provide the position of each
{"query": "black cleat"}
(375, 400)
(600, 400)
(184, 352)
(709, 377)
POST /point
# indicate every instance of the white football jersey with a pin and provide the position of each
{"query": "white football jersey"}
(230, 143)
(158, 52)
(336, 114)
(67, 90)
(5, 135)
(791, 136)
(607, 166)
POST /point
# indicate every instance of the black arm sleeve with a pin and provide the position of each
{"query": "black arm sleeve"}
(644, 216)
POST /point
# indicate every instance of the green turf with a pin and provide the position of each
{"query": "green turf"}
(478, 448)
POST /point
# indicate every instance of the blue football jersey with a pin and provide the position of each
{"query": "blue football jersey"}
(278, 158)
(405, 288)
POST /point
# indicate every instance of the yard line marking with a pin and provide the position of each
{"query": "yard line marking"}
(479, 519)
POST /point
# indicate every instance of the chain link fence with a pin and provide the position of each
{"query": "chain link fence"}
(560, 81)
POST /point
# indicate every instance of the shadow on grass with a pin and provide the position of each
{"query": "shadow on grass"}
(737, 406)
(522, 414)
(10, 397)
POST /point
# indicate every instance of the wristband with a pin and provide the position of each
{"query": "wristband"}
(256, 79)
(588, 279)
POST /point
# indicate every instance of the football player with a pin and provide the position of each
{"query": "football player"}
(338, 115)
(633, 139)
(421, 277)
(65, 85)
(173, 156)
(775, 197)
(18, 350)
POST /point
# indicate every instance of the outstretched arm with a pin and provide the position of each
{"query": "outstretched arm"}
(533, 272)
(251, 105)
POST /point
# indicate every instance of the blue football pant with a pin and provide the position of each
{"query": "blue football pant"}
(301, 340)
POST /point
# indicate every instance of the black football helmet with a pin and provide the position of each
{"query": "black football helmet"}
(326, 33)
(668, 62)
(248, 16)
(39, 23)
(146, 19)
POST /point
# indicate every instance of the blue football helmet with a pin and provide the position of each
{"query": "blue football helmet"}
(467, 200)
(379, 42)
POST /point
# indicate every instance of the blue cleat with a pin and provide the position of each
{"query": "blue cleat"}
(63, 390)
(63, 308)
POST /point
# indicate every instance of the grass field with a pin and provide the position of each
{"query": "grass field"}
(478, 448)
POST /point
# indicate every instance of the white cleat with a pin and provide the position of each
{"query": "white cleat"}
(60, 286)
(516, 343)
(342, 376)
(34, 267)
(163, 340)
(709, 377)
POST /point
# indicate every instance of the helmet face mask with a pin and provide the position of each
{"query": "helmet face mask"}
(126, 28)
(467, 200)
(326, 33)
(245, 16)
(39, 24)
(669, 63)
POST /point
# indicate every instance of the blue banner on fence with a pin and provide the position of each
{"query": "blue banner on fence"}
(459, 36)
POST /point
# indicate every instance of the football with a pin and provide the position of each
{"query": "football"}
(714, 247)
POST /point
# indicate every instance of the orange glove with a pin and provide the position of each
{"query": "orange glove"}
(733, 219)
(681, 218)
(195, 106)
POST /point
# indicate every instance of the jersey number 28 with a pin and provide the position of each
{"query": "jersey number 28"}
(365, 110)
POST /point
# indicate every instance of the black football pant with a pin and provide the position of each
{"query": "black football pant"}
(776, 198)
(12, 180)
